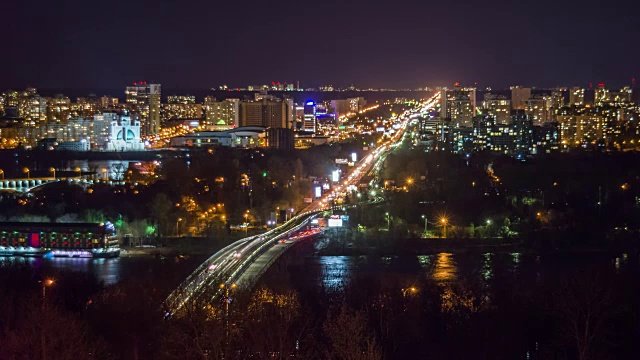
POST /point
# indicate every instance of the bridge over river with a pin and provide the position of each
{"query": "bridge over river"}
(244, 261)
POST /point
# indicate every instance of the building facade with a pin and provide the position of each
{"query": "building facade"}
(125, 135)
(221, 115)
(144, 100)
(266, 112)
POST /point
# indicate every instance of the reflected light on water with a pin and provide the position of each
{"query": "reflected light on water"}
(424, 260)
(335, 271)
(445, 268)
(105, 270)
(487, 267)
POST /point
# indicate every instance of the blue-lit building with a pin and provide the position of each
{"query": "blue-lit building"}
(309, 120)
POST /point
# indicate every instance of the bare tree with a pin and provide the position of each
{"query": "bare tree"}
(350, 337)
(269, 324)
(197, 332)
(583, 304)
(48, 332)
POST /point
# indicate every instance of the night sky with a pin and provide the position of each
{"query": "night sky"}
(399, 43)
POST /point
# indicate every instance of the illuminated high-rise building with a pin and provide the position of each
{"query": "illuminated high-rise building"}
(58, 108)
(498, 107)
(143, 100)
(29, 105)
(622, 96)
(267, 112)
(459, 105)
(580, 130)
(309, 120)
(519, 97)
(576, 96)
(36, 108)
(181, 99)
(181, 107)
(88, 106)
(108, 102)
(600, 94)
(344, 106)
(221, 115)
(539, 109)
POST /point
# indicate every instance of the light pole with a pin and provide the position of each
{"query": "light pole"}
(104, 173)
(53, 170)
(79, 171)
(444, 226)
(178, 227)
(246, 224)
(2, 173)
(277, 211)
(425, 224)
(227, 301)
(27, 171)
(388, 221)
(43, 344)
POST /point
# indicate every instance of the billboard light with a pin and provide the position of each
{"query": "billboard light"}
(335, 176)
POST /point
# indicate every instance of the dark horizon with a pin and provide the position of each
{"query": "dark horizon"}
(405, 44)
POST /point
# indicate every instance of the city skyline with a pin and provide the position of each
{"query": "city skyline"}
(407, 45)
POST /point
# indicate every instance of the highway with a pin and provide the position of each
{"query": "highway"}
(244, 261)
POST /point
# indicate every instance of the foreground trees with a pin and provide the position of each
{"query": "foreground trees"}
(587, 314)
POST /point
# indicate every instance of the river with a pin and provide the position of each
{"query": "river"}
(111, 271)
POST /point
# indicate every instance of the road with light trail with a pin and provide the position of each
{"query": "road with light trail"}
(245, 260)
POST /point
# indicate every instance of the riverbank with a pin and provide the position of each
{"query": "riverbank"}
(428, 246)
(173, 246)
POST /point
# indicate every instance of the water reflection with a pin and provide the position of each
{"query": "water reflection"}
(445, 268)
(104, 270)
(487, 266)
(425, 261)
(335, 270)
(115, 169)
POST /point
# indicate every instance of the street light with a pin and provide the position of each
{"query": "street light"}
(425, 223)
(277, 211)
(104, 173)
(409, 290)
(388, 221)
(246, 224)
(178, 227)
(53, 170)
(227, 301)
(2, 173)
(444, 225)
(488, 221)
(26, 170)
(45, 283)
(79, 171)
